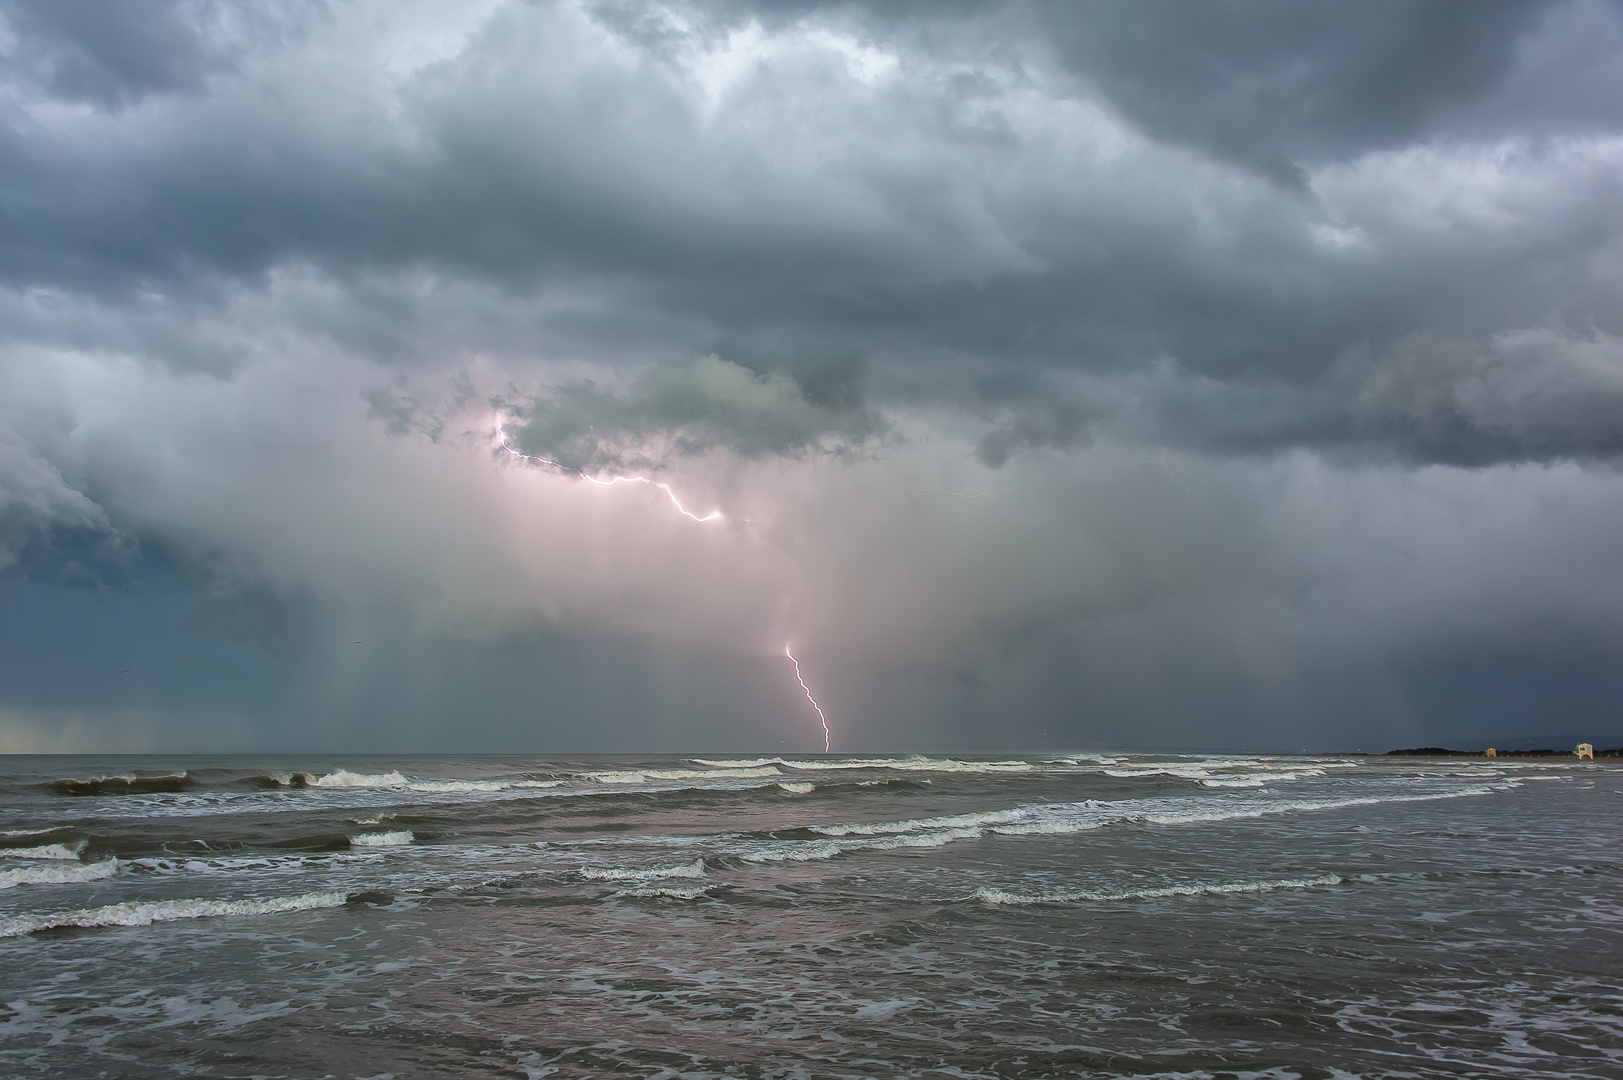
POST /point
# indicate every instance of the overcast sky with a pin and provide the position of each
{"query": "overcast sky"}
(1239, 374)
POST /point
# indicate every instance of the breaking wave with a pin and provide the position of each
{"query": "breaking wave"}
(1055, 819)
(45, 851)
(122, 785)
(642, 776)
(154, 911)
(998, 896)
(343, 778)
(694, 869)
(916, 763)
(394, 838)
(58, 875)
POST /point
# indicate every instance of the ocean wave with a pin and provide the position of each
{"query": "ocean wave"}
(916, 763)
(818, 850)
(58, 875)
(795, 787)
(666, 892)
(125, 784)
(458, 786)
(998, 896)
(1056, 819)
(642, 776)
(951, 821)
(343, 778)
(45, 851)
(394, 838)
(145, 913)
(694, 869)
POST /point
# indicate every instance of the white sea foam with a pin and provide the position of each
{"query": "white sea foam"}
(998, 896)
(58, 875)
(694, 869)
(642, 776)
(343, 778)
(144, 913)
(1058, 819)
(746, 763)
(917, 763)
(795, 787)
(1232, 781)
(953, 821)
(666, 892)
(45, 851)
(394, 838)
(460, 786)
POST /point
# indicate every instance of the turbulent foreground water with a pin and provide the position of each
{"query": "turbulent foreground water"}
(1067, 916)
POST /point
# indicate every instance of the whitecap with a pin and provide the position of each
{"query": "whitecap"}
(998, 896)
(916, 763)
(694, 869)
(144, 913)
(394, 838)
(666, 892)
(641, 776)
(58, 875)
(343, 778)
(45, 851)
(796, 787)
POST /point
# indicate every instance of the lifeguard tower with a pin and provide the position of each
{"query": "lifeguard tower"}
(1586, 751)
(1490, 752)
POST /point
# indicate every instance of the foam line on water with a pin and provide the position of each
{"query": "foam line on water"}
(145, 913)
(1056, 819)
(642, 776)
(998, 896)
(62, 852)
(57, 875)
(694, 869)
(666, 892)
(917, 763)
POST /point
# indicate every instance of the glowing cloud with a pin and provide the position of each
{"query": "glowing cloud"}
(501, 438)
(827, 738)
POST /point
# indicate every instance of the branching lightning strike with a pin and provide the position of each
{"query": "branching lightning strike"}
(501, 436)
(827, 738)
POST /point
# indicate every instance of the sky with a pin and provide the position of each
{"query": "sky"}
(527, 376)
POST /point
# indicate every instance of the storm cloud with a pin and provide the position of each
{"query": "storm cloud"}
(1126, 372)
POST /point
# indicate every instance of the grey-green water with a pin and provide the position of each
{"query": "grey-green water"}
(1092, 915)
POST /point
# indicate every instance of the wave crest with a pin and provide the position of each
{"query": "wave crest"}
(998, 896)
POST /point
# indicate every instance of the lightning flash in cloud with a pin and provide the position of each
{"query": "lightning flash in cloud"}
(827, 739)
(501, 436)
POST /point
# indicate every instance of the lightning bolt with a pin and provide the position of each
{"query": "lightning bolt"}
(501, 437)
(827, 739)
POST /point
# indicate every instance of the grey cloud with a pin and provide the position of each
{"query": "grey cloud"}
(707, 405)
(1533, 393)
(47, 523)
(629, 191)
(109, 54)
(1280, 84)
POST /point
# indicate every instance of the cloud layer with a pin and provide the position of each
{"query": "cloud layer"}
(1026, 349)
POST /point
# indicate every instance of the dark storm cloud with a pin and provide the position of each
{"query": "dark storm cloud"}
(109, 54)
(1280, 84)
(707, 405)
(1196, 278)
(951, 207)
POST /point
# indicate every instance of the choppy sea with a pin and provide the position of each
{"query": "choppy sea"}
(1088, 915)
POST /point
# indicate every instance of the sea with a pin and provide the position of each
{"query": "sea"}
(1056, 915)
